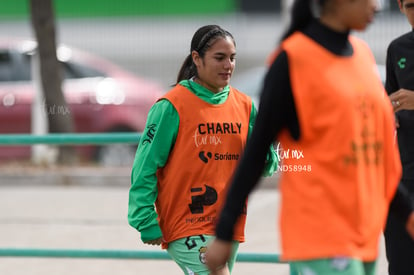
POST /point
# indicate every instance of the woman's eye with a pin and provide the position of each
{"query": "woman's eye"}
(232, 59)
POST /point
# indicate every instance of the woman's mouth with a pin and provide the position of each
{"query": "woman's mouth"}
(225, 75)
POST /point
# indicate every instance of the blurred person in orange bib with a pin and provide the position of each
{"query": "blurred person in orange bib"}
(322, 97)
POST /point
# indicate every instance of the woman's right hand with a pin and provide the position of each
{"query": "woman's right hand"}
(218, 252)
(154, 242)
(403, 99)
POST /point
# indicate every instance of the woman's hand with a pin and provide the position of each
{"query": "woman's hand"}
(218, 252)
(154, 242)
(403, 99)
(410, 225)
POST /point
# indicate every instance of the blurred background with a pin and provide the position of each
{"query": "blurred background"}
(152, 38)
(119, 57)
(147, 41)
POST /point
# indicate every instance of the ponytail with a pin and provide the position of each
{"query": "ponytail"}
(187, 70)
(301, 16)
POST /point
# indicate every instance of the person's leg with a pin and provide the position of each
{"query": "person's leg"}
(189, 254)
(399, 246)
(334, 266)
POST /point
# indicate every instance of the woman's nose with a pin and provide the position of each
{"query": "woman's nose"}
(228, 63)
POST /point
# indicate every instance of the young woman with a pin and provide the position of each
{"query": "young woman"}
(323, 98)
(194, 138)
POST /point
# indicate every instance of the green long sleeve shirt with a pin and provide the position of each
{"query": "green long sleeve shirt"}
(153, 150)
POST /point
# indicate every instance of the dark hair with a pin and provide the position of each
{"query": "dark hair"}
(202, 40)
(301, 15)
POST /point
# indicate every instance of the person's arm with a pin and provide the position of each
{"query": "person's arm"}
(401, 99)
(272, 161)
(391, 83)
(276, 111)
(153, 150)
(402, 204)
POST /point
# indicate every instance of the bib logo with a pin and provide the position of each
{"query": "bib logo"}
(202, 256)
(211, 133)
(150, 134)
(401, 62)
(288, 153)
(203, 156)
(209, 197)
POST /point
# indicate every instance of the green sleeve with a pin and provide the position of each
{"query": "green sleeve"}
(271, 157)
(152, 153)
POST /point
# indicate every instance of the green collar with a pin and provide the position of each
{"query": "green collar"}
(204, 93)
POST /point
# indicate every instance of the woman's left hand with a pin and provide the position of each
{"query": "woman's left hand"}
(403, 99)
(410, 225)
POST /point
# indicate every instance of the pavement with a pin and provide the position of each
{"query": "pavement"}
(68, 216)
(26, 174)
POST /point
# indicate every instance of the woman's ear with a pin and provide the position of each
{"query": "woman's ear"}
(196, 58)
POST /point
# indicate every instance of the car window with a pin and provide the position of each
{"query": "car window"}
(5, 66)
(71, 70)
(76, 70)
(25, 71)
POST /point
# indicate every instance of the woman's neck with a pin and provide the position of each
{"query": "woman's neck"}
(334, 41)
(205, 85)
